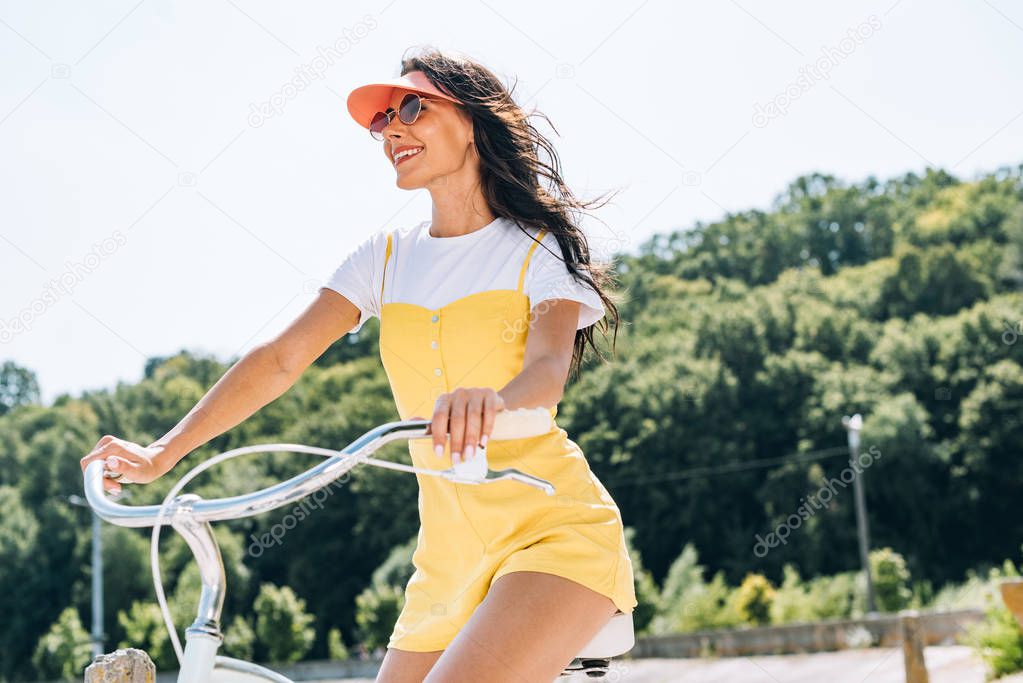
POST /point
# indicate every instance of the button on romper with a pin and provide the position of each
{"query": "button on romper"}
(471, 534)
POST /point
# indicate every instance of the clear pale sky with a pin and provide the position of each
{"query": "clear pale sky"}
(144, 207)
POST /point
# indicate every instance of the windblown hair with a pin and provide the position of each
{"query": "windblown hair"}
(518, 185)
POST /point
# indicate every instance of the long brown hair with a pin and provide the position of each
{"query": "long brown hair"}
(516, 182)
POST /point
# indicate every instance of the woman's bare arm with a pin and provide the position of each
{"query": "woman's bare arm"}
(259, 377)
(548, 356)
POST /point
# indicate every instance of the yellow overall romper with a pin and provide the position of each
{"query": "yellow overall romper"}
(471, 534)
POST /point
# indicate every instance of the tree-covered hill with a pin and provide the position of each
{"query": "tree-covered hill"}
(750, 339)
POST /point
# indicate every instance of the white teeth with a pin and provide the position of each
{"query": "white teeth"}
(407, 152)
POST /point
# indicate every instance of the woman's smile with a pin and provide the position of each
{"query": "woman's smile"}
(407, 153)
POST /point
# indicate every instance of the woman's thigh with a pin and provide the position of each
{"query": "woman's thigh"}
(527, 630)
(403, 666)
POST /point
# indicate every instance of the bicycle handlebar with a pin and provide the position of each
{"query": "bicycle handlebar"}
(190, 515)
(508, 424)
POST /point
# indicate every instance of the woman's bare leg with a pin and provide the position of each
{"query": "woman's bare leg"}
(527, 630)
(403, 666)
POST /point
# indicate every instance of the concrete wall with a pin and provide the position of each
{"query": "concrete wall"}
(937, 627)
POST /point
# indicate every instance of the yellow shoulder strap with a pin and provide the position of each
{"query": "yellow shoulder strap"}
(529, 255)
(387, 256)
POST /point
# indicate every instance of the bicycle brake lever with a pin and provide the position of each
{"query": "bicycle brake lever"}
(542, 484)
(491, 476)
(476, 471)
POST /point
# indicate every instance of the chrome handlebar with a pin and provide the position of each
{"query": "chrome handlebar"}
(509, 424)
(190, 515)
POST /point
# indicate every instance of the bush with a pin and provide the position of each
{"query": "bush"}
(709, 606)
(891, 580)
(239, 639)
(688, 602)
(977, 591)
(144, 629)
(65, 650)
(836, 597)
(998, 641)
(282, 624)
(378, 606)
(753, 599)
(376, 610)
(791, 601)
(647, 594)
(336, 649)
(825, 597)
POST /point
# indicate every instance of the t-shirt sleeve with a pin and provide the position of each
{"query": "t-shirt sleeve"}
(547, 277)
(358, 277)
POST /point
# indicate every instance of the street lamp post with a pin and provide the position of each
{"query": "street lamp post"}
(97, 578)
(853, 425)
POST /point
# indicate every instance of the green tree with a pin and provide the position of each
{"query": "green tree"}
(18, 387)
(282, 625)
(65, 650)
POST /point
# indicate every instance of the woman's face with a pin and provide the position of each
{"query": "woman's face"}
(442, 131)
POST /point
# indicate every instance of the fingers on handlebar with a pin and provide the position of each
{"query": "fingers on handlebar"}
(103, 450)
(456, 425)
(492, 403)
(473, 422)
(439, 424)
(467, 416)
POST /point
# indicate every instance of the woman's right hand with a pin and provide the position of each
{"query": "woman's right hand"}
(139, 464)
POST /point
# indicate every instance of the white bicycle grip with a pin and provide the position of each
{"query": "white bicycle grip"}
(521, 423)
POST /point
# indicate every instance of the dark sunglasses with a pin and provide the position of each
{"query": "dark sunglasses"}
(408, 112)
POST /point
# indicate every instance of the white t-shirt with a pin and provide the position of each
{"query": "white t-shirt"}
(433, 271)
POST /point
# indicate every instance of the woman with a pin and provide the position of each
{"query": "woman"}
(486, 307)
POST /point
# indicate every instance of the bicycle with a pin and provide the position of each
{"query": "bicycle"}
(190, 515)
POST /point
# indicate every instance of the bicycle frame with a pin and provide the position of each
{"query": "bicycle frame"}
(190, 515)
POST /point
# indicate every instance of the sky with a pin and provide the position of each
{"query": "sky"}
(162, 189)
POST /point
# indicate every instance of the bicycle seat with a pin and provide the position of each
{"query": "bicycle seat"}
(616, 638)
(594, 659)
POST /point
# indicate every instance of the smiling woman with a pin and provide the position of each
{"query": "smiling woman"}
(480, 137)
(488, 306)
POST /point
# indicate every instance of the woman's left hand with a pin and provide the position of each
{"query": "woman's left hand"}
(467, 414)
